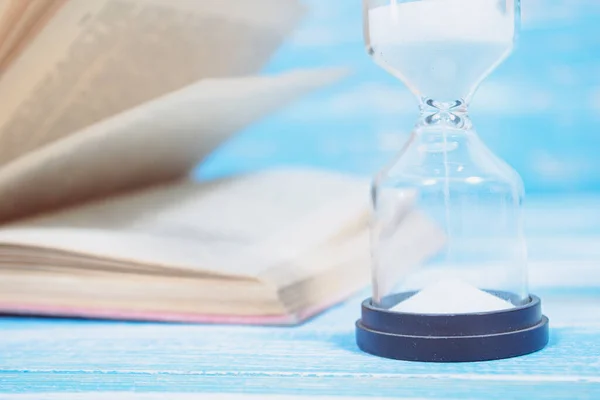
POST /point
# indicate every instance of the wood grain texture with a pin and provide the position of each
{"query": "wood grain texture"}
(176, 396)
(45, 358)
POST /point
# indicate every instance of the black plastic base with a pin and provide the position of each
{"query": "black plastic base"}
(452, 338)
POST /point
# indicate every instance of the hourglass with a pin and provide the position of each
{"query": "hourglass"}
(449, 256)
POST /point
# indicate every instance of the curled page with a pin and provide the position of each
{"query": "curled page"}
(155, 142)
(94, 59)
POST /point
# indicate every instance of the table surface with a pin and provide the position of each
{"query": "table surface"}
(46, 358)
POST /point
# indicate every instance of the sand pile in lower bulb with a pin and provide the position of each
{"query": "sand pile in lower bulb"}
(451, 297)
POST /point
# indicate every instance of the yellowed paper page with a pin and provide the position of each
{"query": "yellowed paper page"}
(155, 142)
(223, 228)
(33, 16)
(10, 14)
(94, 59)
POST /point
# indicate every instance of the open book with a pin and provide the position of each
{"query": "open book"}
(269, 247)
(105, 107)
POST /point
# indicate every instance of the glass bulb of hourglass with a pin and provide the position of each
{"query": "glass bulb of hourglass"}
(447, 229)
(440, 49)
(449, 256)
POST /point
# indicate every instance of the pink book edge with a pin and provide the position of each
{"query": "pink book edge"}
(153, 316)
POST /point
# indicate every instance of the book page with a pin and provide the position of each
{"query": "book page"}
(27, 19)
(11, 12)
(94, 59)
(226, 227)
(152, 143)
(5, 6)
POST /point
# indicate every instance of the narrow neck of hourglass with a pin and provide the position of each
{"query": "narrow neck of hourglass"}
(453, 114)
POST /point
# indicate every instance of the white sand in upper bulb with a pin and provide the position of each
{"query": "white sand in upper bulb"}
(451, 296)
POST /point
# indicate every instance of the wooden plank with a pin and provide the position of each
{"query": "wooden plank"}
(325, 346)
(174, 396)
(363, 386)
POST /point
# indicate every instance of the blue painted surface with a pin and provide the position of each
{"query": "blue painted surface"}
(540, 111)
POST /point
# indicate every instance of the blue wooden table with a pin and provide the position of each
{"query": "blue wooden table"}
(45, 358)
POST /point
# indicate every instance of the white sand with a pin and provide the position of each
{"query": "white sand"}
(447, 20)
(451, 297)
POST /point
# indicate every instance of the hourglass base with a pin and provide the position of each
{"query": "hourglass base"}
(452, 338)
